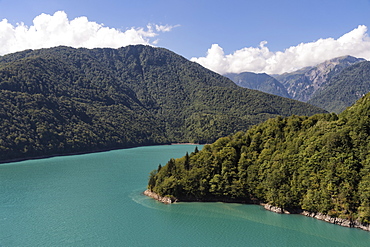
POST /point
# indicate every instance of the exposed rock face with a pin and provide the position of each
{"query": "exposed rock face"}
(275, 209)
(304, 83)
(300, 85)
(344, 89)
(163, 199)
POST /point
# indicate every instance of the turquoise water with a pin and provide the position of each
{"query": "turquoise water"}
(95, 200)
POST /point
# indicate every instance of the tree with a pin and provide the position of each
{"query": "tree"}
(187, 162)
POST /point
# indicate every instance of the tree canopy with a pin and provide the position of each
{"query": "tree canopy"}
(65, 100)
(319, 164)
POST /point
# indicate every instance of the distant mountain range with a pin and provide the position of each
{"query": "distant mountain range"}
(303, 84)
(311, 83)
(344, 89)
(261, 82)
(65, 100)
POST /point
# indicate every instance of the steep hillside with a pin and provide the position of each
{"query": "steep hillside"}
(65, 100)
(261, 82)
(303, 84)
(320, 164)
(344, 89)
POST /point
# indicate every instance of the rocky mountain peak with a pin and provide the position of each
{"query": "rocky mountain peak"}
(304, 83)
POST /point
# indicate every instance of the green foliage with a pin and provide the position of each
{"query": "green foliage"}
(65, 100)
(319, 163)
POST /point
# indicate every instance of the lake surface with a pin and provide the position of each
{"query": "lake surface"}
(96, 200)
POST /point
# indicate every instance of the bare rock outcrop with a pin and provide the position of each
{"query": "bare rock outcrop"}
(163, 199)
(275, 209)
(338, 221)
(320, 216)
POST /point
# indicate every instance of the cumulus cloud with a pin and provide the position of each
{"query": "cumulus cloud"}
(261, 59)
(53, 30)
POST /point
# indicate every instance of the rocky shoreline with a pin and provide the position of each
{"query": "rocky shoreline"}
(163, 199)
(338, 221)
(319, 216)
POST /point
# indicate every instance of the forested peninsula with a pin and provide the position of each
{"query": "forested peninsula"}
(64, 100)
(319, 165)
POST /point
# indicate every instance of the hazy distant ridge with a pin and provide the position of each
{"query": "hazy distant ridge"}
(261, 82)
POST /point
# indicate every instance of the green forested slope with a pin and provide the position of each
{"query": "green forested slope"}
(344, 89)
(319, 164)
(63, 100)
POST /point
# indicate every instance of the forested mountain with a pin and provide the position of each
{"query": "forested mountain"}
(344, 89)
(319, 164)
(303, 84)
(66, 100)
(261, 82)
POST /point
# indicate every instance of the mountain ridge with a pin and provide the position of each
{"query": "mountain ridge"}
(66, 100)
(304, 83)
(314, 84)
(262, 82)
(344, 89)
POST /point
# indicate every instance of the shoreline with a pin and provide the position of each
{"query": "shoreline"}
(185, 143)
(89, 152)
(71, 153)
(319, 216)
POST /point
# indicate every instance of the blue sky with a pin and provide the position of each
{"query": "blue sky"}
(230, 26)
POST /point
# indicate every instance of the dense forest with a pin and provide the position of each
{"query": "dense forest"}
(319, 163)
(65, 100)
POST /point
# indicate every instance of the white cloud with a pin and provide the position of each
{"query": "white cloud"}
(53, 30)
(261, 59)
(164, 28)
